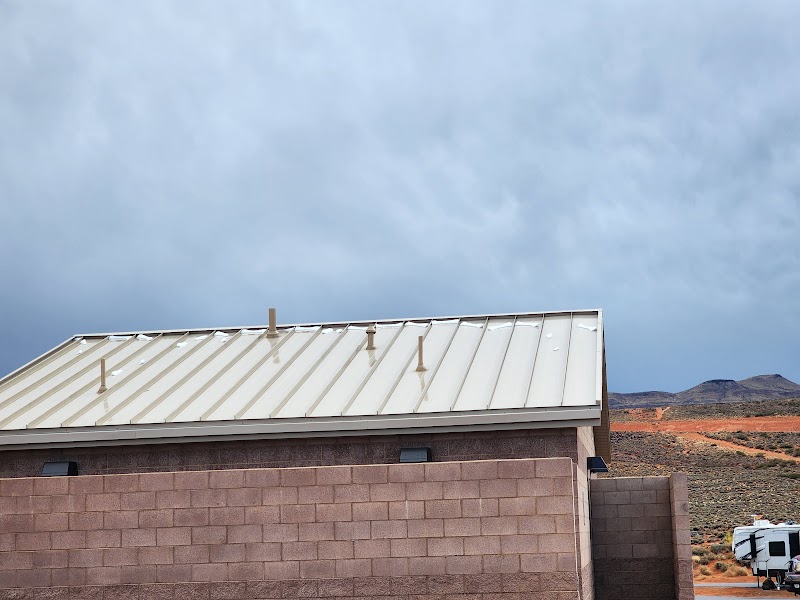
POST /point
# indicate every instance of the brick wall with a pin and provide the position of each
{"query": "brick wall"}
(300, 452)
(640, 538)
(490, 529)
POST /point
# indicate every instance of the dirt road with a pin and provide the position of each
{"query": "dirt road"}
(699, 437)
(693, 430)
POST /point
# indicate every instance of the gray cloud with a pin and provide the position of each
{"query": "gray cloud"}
(171, 166)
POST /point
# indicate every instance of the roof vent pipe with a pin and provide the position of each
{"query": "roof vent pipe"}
(103, 387)
(420, 364)
(371, 337)
(272, 332)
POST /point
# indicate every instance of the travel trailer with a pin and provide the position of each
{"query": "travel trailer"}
(769, 548)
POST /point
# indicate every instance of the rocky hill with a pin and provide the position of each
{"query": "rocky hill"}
(761, 387)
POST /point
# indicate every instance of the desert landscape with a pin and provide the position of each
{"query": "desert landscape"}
(742, 458)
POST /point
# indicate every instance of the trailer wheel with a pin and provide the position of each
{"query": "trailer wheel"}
(768, 585)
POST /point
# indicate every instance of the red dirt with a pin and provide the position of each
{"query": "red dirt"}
(730, 592)
(693, 430)
(720, 578)
(790, 424)
(736, 592)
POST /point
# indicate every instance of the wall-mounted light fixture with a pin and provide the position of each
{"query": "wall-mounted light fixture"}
(596, 464)
(415, 455)
(60, 469)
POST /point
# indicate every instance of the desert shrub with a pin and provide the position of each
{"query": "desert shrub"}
(720, 566)
(699, 550)
(734, 571)
(728, 539)
(704, 560)
(719, 548)
(705, 571)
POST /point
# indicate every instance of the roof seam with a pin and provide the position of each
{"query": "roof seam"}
(280, 406)
(436, 368)
(260, 393)
(39, 399)
(273, 349)
(373, 369)
(77, 394)
(104, 396)
(566, 361)
(138, 416)
(502, 362)
(526, 397)
(403, 371)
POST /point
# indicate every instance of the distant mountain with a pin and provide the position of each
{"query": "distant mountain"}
(761, 387)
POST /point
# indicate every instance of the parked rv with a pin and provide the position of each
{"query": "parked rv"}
(769, 548)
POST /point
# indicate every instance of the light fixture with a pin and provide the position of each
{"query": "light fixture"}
(596, 464)
(415, 455)
(60, 469)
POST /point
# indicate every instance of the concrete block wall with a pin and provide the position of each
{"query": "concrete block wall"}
(681, 536)
(586, 448)
(640, 538)
(296, 452)
(475, 529)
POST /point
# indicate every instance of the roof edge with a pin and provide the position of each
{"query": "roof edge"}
(63, 346)
(540, 313)
(533, 418)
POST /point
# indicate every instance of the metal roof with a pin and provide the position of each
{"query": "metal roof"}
(496, 370)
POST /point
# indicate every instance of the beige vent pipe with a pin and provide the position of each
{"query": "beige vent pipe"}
(103, 387)
(371, 337)
(420, 364)
(272, 332)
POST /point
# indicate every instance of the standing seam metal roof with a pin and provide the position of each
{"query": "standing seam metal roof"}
(497, 368)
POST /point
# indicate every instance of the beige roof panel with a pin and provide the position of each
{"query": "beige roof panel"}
(478, 370)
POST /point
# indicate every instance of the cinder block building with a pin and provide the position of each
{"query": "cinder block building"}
(418, 458)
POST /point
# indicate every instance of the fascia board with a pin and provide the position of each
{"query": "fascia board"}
(305, 427)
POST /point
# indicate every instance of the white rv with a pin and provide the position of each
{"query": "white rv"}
(769, 548)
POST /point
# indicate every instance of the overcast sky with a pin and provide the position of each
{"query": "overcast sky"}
(189, 164)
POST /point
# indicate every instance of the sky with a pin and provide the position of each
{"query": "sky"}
(168, 165)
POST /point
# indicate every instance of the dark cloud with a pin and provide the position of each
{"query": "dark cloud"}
(167, 166)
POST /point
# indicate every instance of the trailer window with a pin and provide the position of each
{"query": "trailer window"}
(777, 548)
